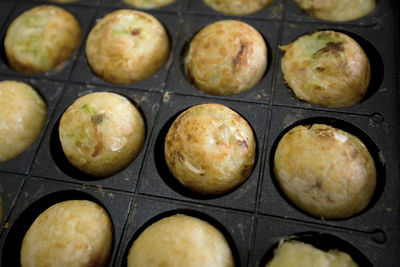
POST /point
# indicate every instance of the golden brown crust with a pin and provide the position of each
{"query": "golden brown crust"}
(69, 233)
(148, 4)
(22, 117)
(237, 7)
(299, 254)
(337, 10)
(210, 149)
(41, 38)
(325, 171)
(101, 133)
(227, 57)
(326, 68)
(127, 46)
(180, 240)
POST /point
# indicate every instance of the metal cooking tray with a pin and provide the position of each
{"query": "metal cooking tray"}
(255, 216)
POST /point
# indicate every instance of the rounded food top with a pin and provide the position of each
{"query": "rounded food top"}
(127, 46)
(325, 171)
(22, 117)
(210, 149)
(180, 240)
(41, 38)
(148, 4)
(337, 10)
(101, 133)
(69, 233)
(237, 7)
(225, 58)
(299, 254)
(326, 68)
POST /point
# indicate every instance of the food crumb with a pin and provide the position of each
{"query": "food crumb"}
(166, 97)
(100, 190)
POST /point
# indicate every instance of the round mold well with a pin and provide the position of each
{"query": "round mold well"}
(221, 12)
(199, 215)
(360, 19)
(147, 9)
(12, 244)
(43, 98)
(186, 46)
(349, 128)
(166, 63)
(61, 161)
(168, 177)
(375, 61)
(322, 241)
(56, 69)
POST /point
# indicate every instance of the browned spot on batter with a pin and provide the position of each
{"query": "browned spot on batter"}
(97, 119)
(330, 199)
(176, 124)
(324, 133)
(332, 47)
(243, 143)
(318, 185)
(135, 31)
(169, 143)
(324, 34)
(206, 45)
(354, 154)
(95, 260)
(338, 46)
(318, 88)
(143, 17)
(99, 136)
(180, 156)
(320, 68)
(246, 169)
(172, 164)
(238, 58)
